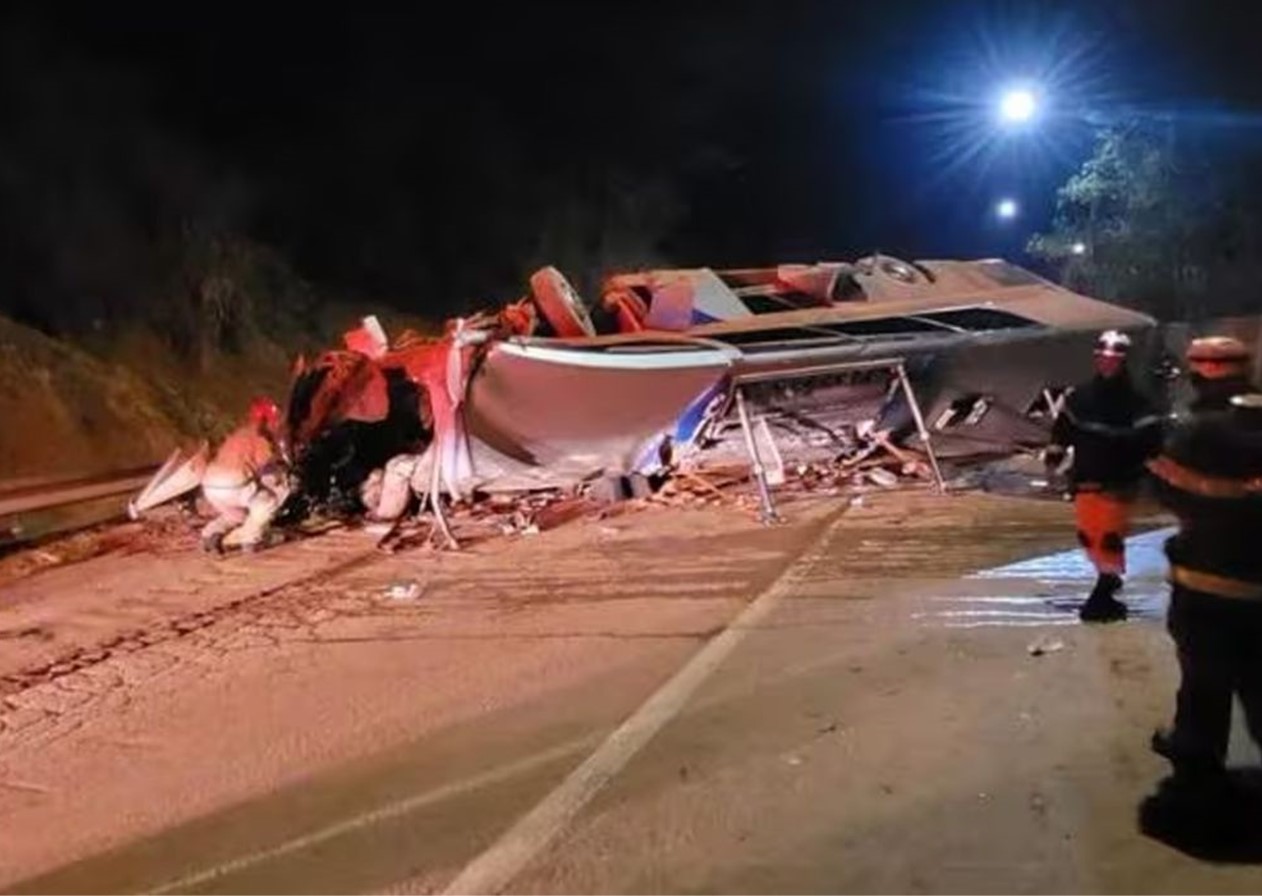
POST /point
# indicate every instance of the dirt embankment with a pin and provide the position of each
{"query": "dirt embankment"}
(119, 400)
(66, 411)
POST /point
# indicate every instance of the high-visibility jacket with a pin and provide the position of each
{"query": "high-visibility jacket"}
(1209, 474)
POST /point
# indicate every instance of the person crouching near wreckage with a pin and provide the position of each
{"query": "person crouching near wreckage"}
(1113, 429)
(246, 482)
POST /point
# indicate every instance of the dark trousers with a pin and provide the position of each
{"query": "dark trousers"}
(1219, 641)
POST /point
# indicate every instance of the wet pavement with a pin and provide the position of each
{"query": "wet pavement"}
(1060, 582)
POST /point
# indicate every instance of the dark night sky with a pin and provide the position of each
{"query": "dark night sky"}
(380, 149)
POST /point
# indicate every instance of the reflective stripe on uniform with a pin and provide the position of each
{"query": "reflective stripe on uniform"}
(1211, 583)
(1186, 479)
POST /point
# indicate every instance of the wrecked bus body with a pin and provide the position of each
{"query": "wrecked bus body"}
(548, 394)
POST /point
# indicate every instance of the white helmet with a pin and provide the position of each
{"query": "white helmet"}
(1113, 342)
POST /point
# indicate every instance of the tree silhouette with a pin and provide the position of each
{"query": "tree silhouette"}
(1162, 221)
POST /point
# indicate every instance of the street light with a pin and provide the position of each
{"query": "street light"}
(1007, 209)
(1017, 105)
(1078, 248)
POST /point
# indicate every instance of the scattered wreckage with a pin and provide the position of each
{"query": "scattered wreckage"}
(676, 368)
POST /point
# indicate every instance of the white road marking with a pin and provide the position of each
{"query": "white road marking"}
(393, 810)
(495, 868)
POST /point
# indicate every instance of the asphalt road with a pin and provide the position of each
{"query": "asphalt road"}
(893, 695)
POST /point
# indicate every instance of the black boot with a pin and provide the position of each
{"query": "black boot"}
(1199, 812)
(1101, 605)
(1188, 766)
(1162, 743)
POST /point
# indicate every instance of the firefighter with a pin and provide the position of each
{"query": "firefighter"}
(1210, 475)
(246, 482)
(1112, 429)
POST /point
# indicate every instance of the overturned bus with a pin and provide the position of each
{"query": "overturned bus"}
(960, 357)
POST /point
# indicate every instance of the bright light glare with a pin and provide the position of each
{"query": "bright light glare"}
(1006, 209)
(1078, 248)
(1018, 105)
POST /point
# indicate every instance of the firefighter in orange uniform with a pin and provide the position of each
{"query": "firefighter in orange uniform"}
(246, 482)
(1210, 475)
(1112, 429)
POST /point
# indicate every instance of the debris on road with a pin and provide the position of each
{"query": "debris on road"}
(404, 591)
(1045, 644)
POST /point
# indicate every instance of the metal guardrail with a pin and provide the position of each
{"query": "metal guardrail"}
(49, 495)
